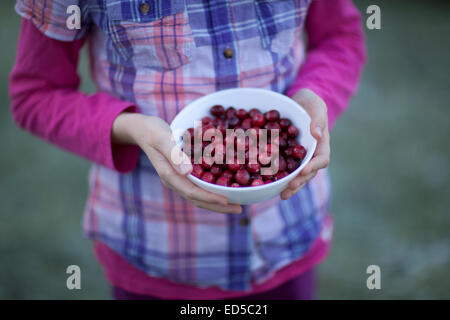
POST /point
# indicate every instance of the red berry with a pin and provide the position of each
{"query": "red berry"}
(282, 143)
(242, 177)
(253, 112)
(272, 126)
(223, 181)
(233, 122)
(228, 174)
(256, 176)
(197, 170)
(279, 175)
(253, 168)
(272, 115)
(208, 177)
(246, 124)
(235, 185)
(207, 163)
(292, 131)
(230, 113)
(258, 120)
(291, 164)
(241, 114)
(284, 123)
(257, 182)
(288, 152)
(298, 152)
(234, 166)
(292, 143)
(216, 170)
(206, 120)
(217, 110)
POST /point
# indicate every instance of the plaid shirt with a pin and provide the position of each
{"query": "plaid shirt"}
(161, 55)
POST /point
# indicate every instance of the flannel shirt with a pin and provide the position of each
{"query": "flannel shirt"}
(161, 56)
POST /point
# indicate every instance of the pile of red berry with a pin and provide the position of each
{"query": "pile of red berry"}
(284, 149)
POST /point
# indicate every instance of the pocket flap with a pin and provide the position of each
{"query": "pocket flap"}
(132, 10)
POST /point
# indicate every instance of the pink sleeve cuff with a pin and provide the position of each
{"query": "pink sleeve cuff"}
(120, 157)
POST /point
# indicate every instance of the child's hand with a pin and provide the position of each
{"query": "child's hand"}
(317, 110)
(154, 137)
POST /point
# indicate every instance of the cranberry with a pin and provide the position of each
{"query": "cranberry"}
(288, 152)
(284, 123)
(282, 143)
(230, 113)
(279, 175)
(207, 163)
(282, 165)
(267, 181)
(217, 110)
(253, 168)
(256, 176)
(242, 177)
(206, 120)
(298, 152)
(272, 126)
(258, 120)
(292, 131)
(272, 115)
(223, 181)
(292, 143)
(291, 164)
(264, 159)
(233, 122)
(241, 114)
(197, 170)
(284, 135)
(234, 166)
(216, 170)
(235, 185)
(228, 174)
(208, 177)
(246, 124)
(253, 112)
(257, 182)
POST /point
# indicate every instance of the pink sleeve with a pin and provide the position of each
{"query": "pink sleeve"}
(45, 101)
(335, 55)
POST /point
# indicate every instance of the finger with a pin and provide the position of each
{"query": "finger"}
(181, 184)
(321, 157)
(286, 194)
(317, 110)
(169, 149)
(230, 208)
(297, 181)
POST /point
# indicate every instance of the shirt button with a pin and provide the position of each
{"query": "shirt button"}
(244, 222)
(228, 53)
(144, 8)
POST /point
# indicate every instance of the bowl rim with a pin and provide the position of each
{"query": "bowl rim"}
(251, 90)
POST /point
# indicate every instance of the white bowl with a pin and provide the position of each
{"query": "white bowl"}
(248, 98)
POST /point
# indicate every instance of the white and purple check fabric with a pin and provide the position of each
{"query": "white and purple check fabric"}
(161, 60)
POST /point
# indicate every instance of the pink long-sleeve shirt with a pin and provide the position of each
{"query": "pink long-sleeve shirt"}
(45, 100)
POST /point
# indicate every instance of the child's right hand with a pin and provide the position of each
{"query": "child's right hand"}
(154, 137)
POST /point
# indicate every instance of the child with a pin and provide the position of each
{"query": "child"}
(157, 235)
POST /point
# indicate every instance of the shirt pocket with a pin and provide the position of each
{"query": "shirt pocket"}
(278, 23)
(160, 39)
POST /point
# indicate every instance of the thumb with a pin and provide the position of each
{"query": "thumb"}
(177, 158)
(317, 110)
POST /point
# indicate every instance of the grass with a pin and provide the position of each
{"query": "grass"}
(390, 172)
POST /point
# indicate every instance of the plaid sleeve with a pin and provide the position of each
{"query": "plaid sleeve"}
(51, 17)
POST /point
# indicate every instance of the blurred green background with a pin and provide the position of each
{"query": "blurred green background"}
(390, 171)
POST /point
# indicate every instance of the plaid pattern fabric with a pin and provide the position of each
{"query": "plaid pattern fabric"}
(161, 61)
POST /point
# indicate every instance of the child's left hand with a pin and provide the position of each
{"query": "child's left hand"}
(317, 110)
